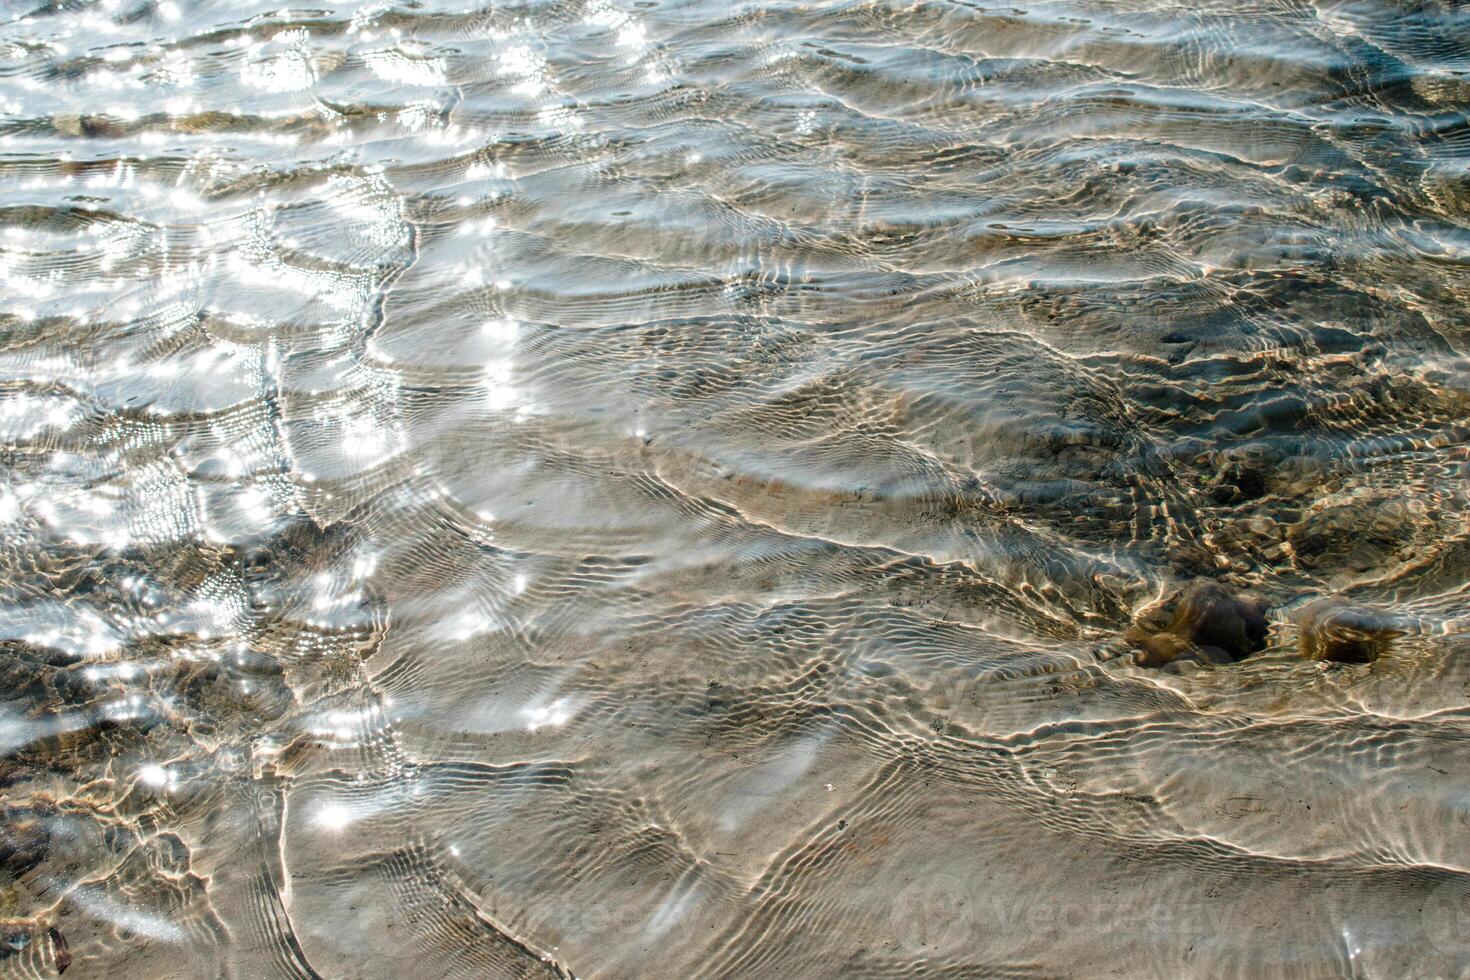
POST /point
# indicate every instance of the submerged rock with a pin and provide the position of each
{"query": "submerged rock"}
(1358, 533)
(24, 839)
(1337, 630)
(1205, 622)
(61, 949)
(1243, 473)
(12, 941)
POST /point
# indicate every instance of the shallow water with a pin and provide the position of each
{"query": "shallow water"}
(662, 489)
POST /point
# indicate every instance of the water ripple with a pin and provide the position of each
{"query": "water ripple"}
(590, 487)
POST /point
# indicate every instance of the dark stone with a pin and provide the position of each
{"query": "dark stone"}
(1212, 615)
(62, 950)
(1206, 622)
(1337, 630)
(24, 839)
(1243, 473)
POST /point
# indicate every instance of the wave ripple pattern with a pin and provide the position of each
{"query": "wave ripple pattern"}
(659, 489)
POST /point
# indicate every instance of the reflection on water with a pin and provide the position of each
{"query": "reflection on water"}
(672, 488)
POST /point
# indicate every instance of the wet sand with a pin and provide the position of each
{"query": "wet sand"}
(671, 489)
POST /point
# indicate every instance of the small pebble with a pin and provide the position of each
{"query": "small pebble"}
(1205, 622)
(1334, 629)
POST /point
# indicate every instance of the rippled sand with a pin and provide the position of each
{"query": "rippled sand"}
(676, 488)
